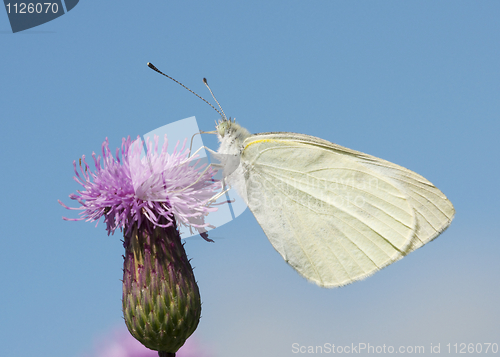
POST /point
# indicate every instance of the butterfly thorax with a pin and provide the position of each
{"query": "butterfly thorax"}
(231, 137)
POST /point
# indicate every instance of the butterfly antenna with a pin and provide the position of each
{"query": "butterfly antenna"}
(213, 96)
(152, 66)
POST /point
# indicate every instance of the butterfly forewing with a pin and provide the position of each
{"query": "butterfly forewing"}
(434, 212)
(334, 214)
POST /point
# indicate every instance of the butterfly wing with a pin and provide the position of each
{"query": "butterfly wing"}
(334, 214)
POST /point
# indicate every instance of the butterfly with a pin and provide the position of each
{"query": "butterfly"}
(334, 214)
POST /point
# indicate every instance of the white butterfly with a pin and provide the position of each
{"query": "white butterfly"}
(334, 214)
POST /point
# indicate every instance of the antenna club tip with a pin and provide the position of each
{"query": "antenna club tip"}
(152, 66)
(205, 80)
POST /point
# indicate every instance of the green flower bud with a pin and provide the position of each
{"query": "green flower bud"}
(161, 300)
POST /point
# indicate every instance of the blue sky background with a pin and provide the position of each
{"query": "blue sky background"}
(415, 83)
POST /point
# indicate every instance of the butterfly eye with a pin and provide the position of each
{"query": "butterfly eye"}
(222, 128)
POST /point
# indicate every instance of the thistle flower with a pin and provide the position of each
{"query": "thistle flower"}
(155, 187)
(146, 197)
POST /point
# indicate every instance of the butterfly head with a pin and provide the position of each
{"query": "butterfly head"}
(229, 127)
(224, 126)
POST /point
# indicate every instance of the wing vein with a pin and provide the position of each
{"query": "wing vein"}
(375, 218)
(343, 221)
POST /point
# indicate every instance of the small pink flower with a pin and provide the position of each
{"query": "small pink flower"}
(120, 343)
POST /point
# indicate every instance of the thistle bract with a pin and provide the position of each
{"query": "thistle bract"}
(146, 196)
(161, 301)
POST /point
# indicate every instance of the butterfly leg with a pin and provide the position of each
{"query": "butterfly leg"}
(224, 188)
(201, 132)
(220, 194)
(206, 148)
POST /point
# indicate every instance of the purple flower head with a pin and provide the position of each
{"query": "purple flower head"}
(150, 190)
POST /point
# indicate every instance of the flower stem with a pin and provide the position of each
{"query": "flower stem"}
(165, 354)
